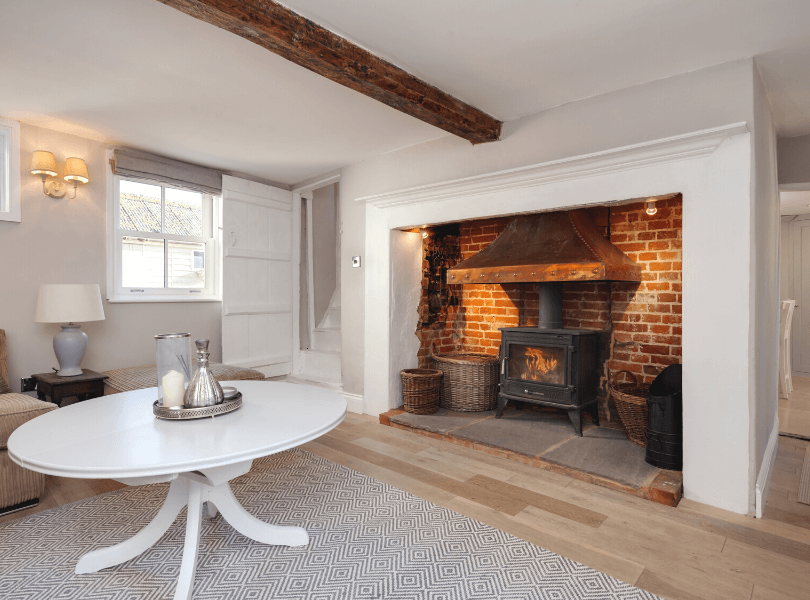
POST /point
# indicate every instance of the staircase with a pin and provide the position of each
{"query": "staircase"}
(321, 364)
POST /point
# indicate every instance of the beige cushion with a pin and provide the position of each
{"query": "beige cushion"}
(5, 384)
(16, 409)
(137, 378)
(18, 485)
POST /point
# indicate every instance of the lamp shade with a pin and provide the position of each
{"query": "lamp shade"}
(69, 303)
(76, 170)
(43, 163)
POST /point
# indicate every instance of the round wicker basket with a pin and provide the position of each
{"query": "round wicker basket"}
(421, 389)
(470, 380)
(631, 404)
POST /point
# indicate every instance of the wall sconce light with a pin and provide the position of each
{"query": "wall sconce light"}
(651, 210)
(75, 171)
(43, 164)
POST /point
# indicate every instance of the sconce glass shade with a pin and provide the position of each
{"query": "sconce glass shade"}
(76, 170)
(651, 210)
(43, 163)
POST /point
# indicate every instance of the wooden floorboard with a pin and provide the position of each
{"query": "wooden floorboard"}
(546, 503)
(692, 552)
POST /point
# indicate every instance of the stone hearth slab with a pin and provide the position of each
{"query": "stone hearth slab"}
(606, 455)
(442, 421)
(604, 432)
(526, 433)
(603, 456)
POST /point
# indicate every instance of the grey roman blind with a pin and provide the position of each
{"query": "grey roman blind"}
(142, 165)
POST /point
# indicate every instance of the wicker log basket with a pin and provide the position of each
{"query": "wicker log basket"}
(470, 380)
(421, 389)
(631, 404)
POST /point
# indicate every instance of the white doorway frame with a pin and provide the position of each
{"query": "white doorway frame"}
(795, 248)
(304, 190)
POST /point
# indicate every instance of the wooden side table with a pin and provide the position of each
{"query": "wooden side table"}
(85, 386)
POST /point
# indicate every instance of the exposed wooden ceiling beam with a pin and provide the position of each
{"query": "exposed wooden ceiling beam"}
(309, 45)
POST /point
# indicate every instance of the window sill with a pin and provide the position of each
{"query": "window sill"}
(142, 299)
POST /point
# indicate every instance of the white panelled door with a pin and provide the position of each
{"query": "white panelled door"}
(257, 280)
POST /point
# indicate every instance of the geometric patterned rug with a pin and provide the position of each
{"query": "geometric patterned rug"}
(367, 540)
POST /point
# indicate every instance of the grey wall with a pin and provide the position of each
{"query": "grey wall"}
(685, 103)
(794, 160)
(63, 241)
(324, 247)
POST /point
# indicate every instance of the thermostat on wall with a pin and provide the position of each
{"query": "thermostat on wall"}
(355, 261)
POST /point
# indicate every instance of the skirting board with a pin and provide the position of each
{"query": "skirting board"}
(355, 403)
(765, 472)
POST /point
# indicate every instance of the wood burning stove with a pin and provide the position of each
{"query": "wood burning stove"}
(550, 367)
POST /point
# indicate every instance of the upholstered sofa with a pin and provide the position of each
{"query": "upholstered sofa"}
(19, 488)
(137, 378)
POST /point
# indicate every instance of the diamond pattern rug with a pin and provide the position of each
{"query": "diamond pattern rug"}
(367, 540)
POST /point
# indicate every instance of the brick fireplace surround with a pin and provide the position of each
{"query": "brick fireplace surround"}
(639, 324)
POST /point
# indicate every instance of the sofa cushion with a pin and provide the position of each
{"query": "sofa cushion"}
(16, 409)
(137, 378)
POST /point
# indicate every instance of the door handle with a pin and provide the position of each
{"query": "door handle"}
(233, 238)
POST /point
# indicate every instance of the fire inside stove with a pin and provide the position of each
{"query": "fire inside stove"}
(540, 364)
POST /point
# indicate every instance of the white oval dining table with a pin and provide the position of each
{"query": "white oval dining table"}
(118, 437)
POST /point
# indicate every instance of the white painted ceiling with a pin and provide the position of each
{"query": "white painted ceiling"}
(795, 203)
(138, 73)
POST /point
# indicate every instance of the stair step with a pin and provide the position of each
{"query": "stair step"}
(320, 365)
(332, 384)
(326, 340)
(331, 319)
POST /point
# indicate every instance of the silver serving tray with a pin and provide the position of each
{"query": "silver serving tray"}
(181, 413)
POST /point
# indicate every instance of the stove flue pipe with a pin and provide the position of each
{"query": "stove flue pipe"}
(550, 310)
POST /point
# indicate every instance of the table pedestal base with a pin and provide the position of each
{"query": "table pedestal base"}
(193, 490)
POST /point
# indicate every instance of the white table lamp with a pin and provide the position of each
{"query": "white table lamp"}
(69, 303)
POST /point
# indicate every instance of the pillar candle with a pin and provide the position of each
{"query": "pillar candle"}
(174, 387)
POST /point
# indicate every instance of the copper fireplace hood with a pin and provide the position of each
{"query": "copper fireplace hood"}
(552, 246)
(547, 248)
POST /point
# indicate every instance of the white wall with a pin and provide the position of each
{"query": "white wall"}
(694, 101)
(764, 335)
(63, 241)
(794, 160)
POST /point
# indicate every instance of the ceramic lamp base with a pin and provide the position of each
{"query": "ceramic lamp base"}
(69, 346)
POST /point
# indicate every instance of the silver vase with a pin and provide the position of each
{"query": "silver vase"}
(204, 389)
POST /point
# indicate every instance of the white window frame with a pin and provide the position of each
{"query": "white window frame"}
(10, 194)
(116, 292)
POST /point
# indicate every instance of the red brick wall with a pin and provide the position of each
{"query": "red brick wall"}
(640, 323)
(647, 316)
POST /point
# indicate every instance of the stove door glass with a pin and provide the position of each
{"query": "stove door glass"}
(543, 364)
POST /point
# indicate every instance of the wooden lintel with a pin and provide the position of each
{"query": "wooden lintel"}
(288, 34)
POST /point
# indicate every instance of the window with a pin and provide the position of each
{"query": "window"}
(162, 237)
(9, 170)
